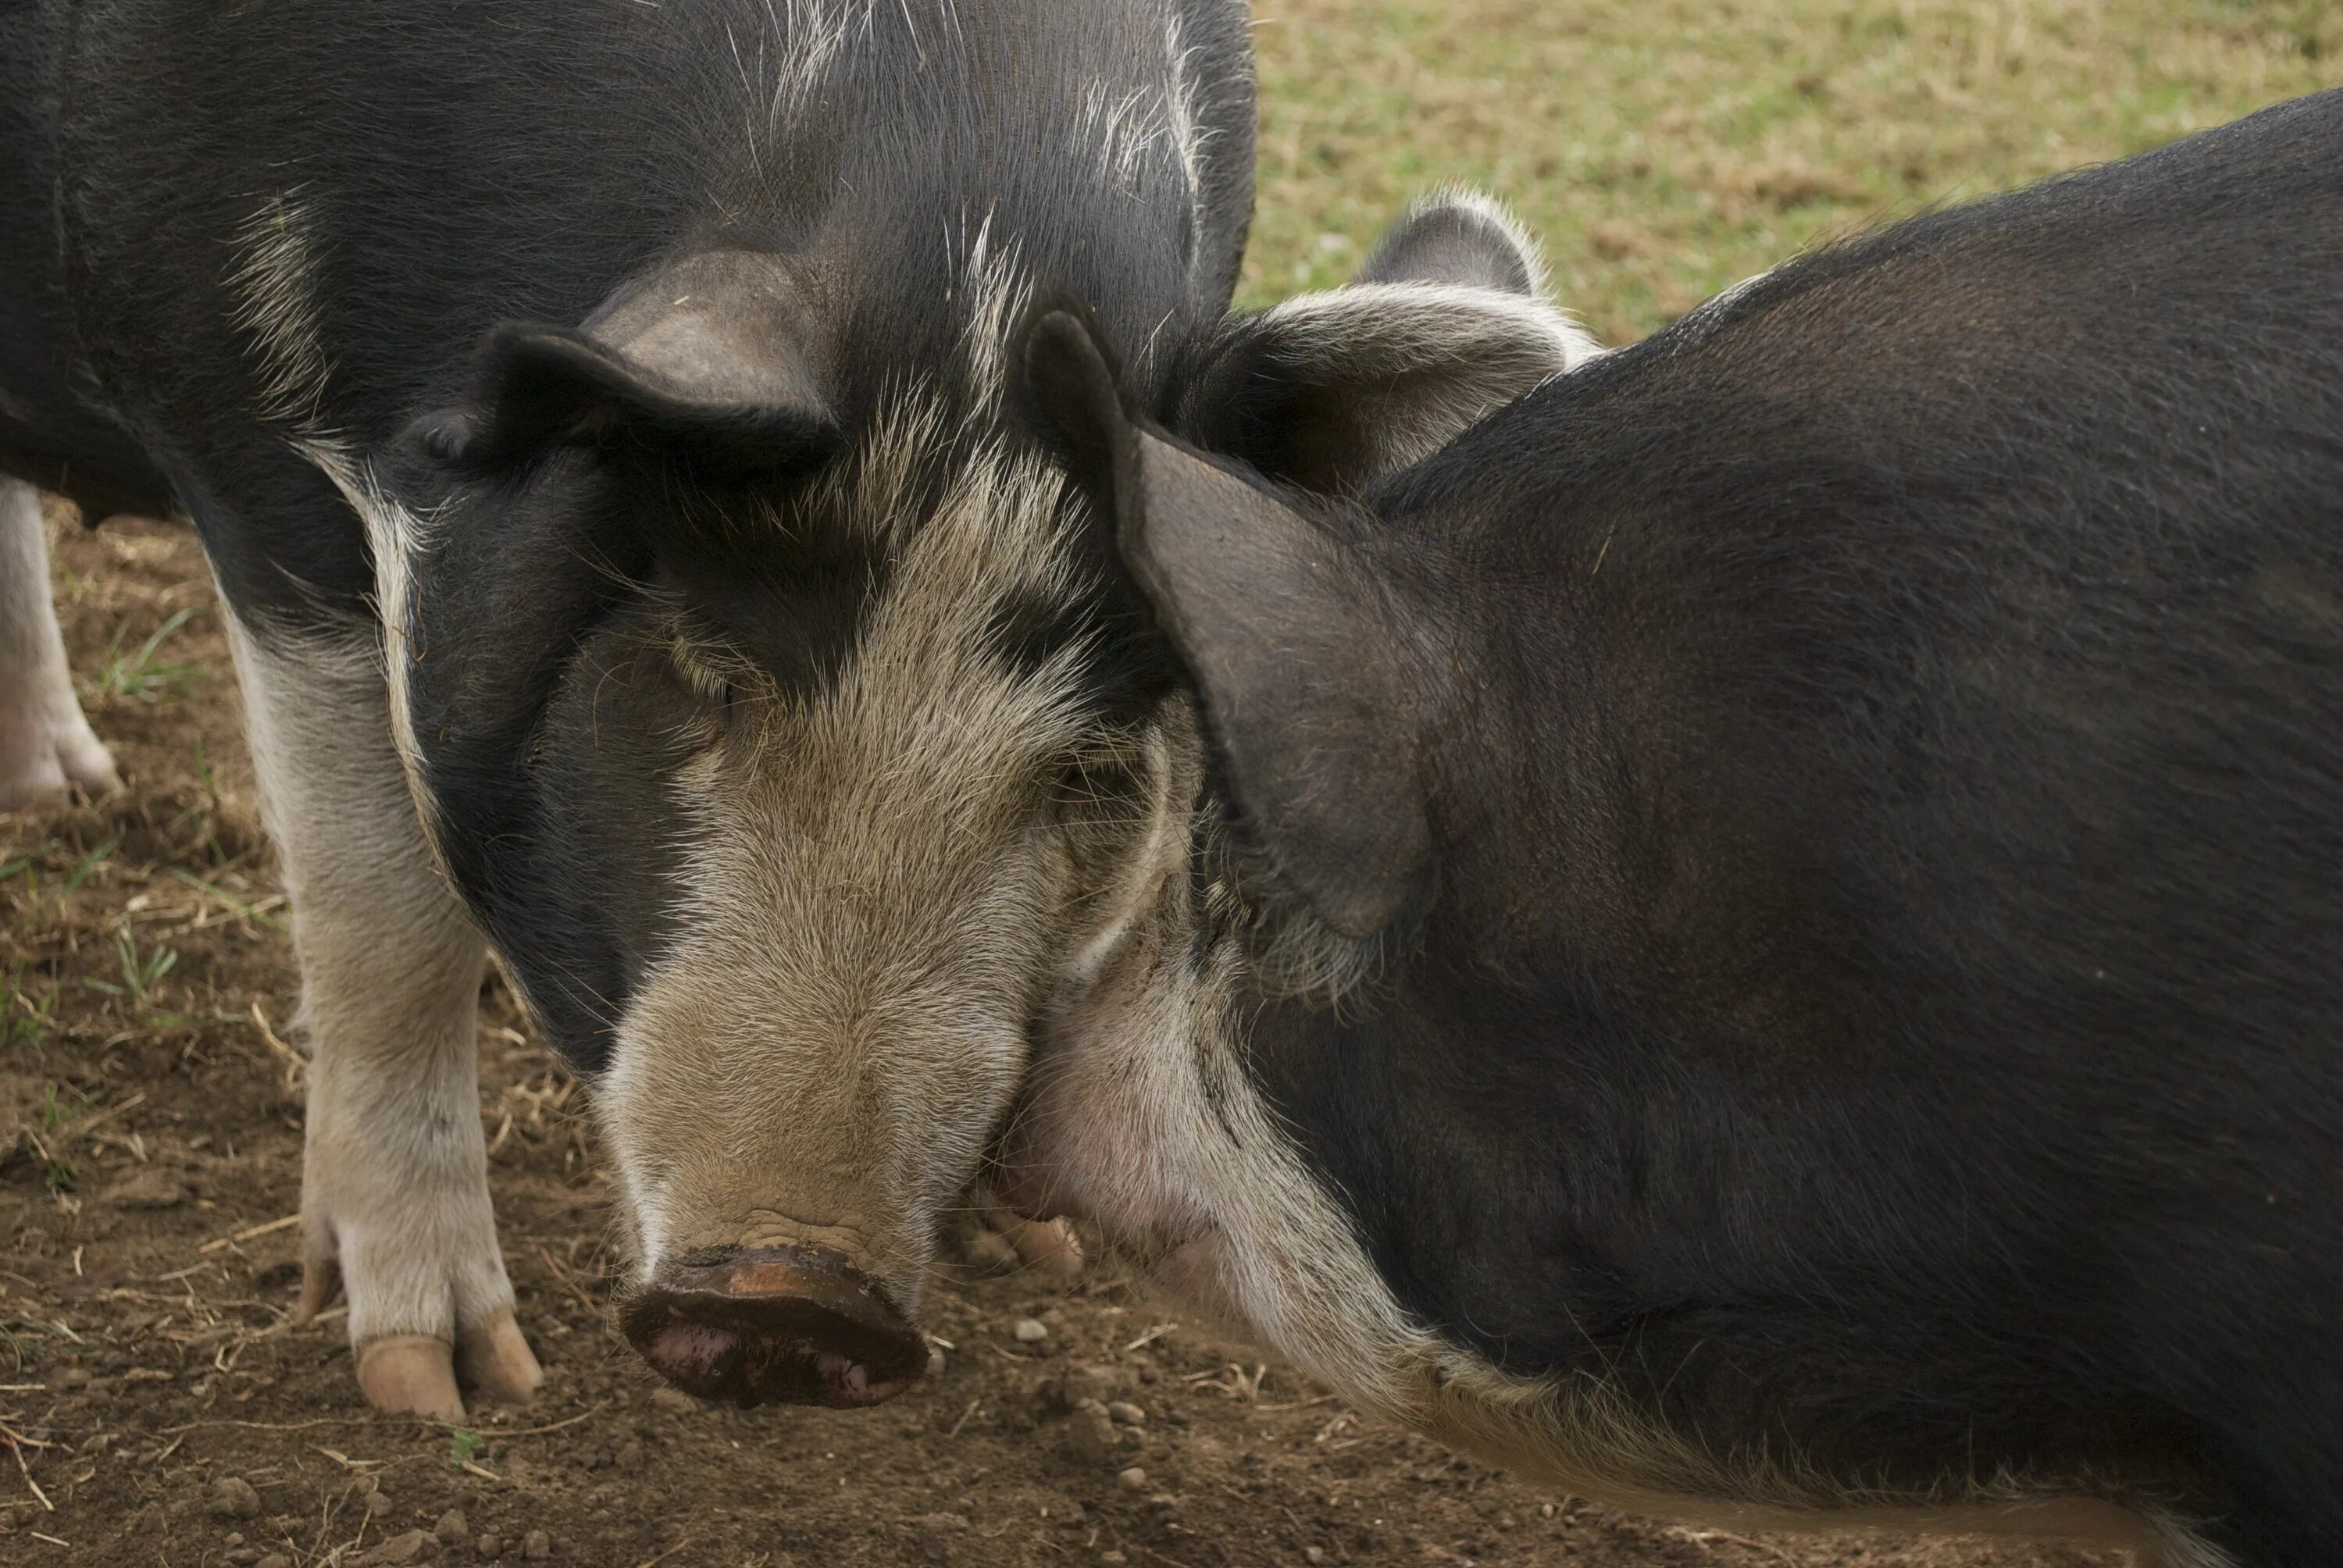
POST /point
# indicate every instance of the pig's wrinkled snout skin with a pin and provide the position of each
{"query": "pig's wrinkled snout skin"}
(792, 1325)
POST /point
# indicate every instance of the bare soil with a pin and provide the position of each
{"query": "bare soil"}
(159, 1407)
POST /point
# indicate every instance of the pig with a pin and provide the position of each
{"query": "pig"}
(1757, 936)
(553, 387)
(596, 418)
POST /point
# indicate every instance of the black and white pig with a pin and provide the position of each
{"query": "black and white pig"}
(593, 414)
(1761, 937)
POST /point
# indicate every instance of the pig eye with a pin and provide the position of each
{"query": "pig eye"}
(1100, 788)
(706, 676)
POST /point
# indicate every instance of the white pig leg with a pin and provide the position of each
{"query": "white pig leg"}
(395, 1191)
(46, 744)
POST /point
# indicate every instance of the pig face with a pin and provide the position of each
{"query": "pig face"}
(830, 791)
(874, 876)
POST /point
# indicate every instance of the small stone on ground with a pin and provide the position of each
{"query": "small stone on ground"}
(234, 1498)
(400, 1549)
(147, 1188)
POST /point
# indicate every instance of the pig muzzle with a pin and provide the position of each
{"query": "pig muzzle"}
(794, 1325)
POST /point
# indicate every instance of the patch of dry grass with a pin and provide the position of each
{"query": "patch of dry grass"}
(1667, 148)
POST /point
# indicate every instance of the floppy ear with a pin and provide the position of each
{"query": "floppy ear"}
(1443, 324)
(714, 358)
(1311, 680)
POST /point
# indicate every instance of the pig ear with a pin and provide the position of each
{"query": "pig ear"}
(1443, 324)
(1296, 648)
(713, 357)
(1462, 238)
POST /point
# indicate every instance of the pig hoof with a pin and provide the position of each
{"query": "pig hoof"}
(319, 1280)
(495, 1358)
(410, 1374)
(419, 1373)
(1047, 1247)
(39, 758)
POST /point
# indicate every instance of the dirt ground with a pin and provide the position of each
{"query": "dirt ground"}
(159, 1408)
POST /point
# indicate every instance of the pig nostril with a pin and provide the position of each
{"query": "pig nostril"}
(688, 1351)
(849, 1376)
(794, 1324)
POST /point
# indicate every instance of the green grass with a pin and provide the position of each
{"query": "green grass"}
(24, 1021)
(1665, 149)
(140, 675)
(143, 970)
(59, 1173)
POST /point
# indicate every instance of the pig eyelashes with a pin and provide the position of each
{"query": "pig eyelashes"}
(713, 676)
(1107, 785)
(704, 662)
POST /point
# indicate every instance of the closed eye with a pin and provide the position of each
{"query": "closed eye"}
(1104, 787)
(709, 674)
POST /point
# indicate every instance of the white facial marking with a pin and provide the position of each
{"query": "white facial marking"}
(863, 899)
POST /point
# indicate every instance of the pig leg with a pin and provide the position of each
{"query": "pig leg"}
(46, 744)
(394, 1190)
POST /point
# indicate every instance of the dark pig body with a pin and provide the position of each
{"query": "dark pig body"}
(1838, 809)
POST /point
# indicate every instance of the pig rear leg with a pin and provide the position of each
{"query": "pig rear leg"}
(395, 1186)
(46, 744)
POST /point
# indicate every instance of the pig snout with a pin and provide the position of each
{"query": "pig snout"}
(795, 1325)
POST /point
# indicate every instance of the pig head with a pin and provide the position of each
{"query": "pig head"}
(798, 762)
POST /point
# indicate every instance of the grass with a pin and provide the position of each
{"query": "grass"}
(1665, 149)
(140, 675)
(58, 1172)
(23, 1021)
(143, 970)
